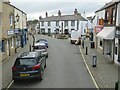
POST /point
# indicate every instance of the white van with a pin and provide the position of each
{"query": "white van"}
(75, 35)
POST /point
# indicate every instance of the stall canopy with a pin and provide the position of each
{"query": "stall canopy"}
(107, 33)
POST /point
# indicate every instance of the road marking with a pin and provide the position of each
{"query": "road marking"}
(9, 85)
(88, 69)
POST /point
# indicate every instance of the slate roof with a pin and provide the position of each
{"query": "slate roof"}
(108, 5)
(63, 18)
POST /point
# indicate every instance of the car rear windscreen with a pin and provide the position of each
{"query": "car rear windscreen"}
(39, 47)
(27, 62)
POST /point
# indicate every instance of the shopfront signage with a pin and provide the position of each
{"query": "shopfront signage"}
(10, 32)
(98, 28)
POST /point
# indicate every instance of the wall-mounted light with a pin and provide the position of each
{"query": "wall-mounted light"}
(17, 17)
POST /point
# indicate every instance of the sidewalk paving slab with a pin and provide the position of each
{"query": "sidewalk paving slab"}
(106, 72)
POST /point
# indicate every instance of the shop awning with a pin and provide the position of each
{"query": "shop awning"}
(107, 33)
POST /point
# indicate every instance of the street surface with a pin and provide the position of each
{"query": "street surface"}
(65, 68)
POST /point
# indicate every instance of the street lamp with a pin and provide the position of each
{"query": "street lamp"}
(117, 35)
(17, 20)
(17, 17)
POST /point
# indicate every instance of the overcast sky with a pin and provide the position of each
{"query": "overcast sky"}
(36, 8)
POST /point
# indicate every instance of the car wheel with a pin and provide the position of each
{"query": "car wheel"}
(15, 80)
(45, 66)
(41, 75)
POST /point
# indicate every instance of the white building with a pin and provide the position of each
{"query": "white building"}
(63, 23)
(106, 20)
(117, 40)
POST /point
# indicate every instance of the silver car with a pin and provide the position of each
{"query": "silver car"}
(41, 47)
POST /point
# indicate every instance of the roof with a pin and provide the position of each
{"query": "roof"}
(63, 18)
(15, 7)
(108, 5)
(28, 55)
(37, 44)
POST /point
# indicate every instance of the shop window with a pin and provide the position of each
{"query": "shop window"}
(11, 20)
(101, 43)
(113, 16)
(84, 30)
(3, 46)
(116, 50)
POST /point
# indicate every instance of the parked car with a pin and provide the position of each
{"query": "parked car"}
(29, 65)
(41, 47)
(43, 41)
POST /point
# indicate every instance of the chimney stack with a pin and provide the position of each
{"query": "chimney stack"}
(46, 14)
(59, 13)
(40, 18)
(75, 12)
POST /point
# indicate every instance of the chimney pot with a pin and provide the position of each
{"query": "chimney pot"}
(46, 14)
(75, 12)
(59, 13)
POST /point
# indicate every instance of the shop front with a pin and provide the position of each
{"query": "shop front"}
(106, 40)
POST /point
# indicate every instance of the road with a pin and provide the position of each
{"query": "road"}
(65, 68)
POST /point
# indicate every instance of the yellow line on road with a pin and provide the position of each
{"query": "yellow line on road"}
(88, 69)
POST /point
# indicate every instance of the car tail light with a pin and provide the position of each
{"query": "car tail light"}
(14, 68)
(36, 67)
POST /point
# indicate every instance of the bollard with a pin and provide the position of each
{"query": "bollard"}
(30, 48)
(86, 50)
(15, 50)
(116, 85)
(94, 61)
(82, 43)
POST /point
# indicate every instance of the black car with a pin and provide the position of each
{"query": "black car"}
(29, 65)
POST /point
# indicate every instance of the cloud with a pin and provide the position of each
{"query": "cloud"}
(36, 8)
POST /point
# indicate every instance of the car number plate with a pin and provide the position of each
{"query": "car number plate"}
(24, 75)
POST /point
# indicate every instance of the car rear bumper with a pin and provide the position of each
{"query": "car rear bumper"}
(31, 75)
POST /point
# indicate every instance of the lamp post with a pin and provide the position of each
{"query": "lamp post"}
(17, 20)
(33, 38)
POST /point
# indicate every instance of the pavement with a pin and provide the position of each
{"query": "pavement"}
(8, 63)
(105, 73)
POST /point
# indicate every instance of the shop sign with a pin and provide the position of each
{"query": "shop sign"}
(98, 28)
(10, 32)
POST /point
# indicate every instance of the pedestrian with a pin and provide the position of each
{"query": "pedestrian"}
(83, 42)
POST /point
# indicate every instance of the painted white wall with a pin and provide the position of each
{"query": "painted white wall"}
(116, 56)
(24, 20)
(81, 27)
(118, 14)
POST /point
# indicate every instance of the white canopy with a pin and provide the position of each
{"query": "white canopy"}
(107, 33)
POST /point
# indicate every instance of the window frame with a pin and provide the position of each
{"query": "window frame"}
(42, 23)
(73, 23)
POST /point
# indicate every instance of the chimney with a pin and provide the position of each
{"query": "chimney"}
(75, 12)
(46, 14)
(59, 13)
(40, 18)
